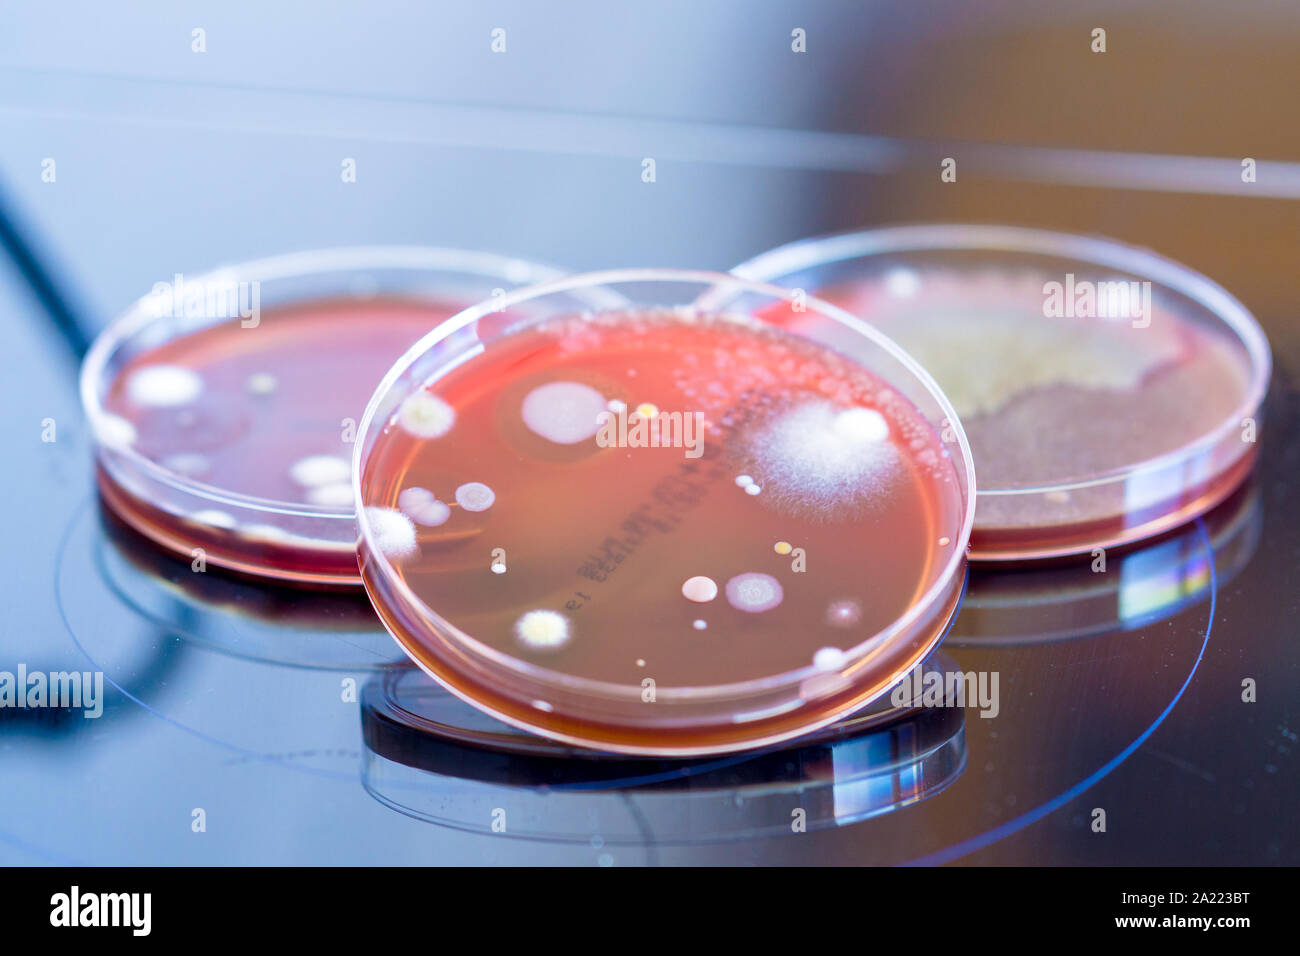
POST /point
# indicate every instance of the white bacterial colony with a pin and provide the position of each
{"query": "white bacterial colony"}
(425, 415)
(754, 592)
(213, 518)
(564, 412)
(423, 507)
(114, 431)
(263, 383)
(188, 463)
(317, 470)
(325, 478)
(475, 496)
(844, 613)
(163, 386)
(334, 495)
(700, 589)
(542, 630)
(828, 659)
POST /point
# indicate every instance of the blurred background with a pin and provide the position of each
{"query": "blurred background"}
(174, 160)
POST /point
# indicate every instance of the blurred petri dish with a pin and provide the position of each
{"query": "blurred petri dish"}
(665, 526)
(224, 406)
(431, 757)
(1109, 394)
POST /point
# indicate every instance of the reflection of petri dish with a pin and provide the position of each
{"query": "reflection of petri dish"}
(431, 757)
(665, 527)
(224, 406)
(1109, 394)
(1130, 588)
(240, 617)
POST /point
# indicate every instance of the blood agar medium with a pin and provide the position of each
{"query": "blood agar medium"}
(1109, 394)
(664, 526)
(225, 406)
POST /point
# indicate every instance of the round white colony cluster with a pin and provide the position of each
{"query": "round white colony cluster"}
(326, 479)
(423, 507)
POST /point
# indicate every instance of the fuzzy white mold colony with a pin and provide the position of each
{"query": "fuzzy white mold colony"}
(393, 531)
(819, 457)
(861, 425)
(563, 412)
(542, 630)
(317, 470)
(426, 416)
(162, 386)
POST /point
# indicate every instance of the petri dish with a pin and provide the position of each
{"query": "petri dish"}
(432, 757)
(665, 525)
(224, 405)
(1109, 394)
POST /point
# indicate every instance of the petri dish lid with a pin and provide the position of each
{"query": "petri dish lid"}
(1109, 394)
(224, 405)
(599, 523)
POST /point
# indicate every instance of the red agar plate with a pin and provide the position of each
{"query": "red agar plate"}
(666, 524)
(224, 406)
(1109, 394)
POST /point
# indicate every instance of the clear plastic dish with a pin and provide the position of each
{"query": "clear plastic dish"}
(666, 525)
(1109, 394)
(431, 757)
(224, 406)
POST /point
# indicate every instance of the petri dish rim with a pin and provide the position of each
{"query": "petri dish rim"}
(712, 281)
(1136, 260)
(139, 316)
